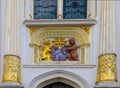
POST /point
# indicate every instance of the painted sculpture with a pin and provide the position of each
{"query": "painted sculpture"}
(72, 54)
(46, 50)
(59, 51)
(58, 54)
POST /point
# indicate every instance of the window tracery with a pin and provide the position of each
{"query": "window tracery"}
(88, 8)
(72, 9)
(45, 9)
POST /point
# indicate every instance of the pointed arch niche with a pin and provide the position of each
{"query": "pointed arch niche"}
(58, 76)
(39, 34)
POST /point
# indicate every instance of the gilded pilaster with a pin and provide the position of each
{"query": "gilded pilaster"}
(107, 67)
(12, 68)
(12, 61)
(107, 57)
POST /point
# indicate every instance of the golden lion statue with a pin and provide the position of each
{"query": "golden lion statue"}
(46, 50)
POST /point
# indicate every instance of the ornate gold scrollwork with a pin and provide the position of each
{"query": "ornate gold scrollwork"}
(86, 29)
(12, 69)
(59, 42)
(107, 68)
(33, 29)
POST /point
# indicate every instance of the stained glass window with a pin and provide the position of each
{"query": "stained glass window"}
(74, 9)
(45, 9)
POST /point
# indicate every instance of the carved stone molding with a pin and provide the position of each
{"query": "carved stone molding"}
(59, 65)
(35, 28)
(11, 85)
(60, 22)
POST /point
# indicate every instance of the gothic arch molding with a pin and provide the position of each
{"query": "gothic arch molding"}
(58, 76)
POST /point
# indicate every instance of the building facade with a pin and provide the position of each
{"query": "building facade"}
(59, 44)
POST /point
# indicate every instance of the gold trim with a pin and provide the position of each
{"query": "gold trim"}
(107, 54)
(33, 29)
(82, 55)
(86, 29)
(59, 15)
(85, 45)
(11, 55)
(107, 67)
(12, 68)
(67, 31)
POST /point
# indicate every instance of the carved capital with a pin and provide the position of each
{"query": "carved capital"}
(107, 67)
(12, 69)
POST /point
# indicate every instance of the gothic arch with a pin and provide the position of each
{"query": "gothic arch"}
(42, 33)
(58, 76)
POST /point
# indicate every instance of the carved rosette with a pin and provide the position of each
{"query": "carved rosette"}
(12, 69)
(107, 68)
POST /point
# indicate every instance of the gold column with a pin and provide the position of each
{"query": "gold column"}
(107, 53)
(12, 65)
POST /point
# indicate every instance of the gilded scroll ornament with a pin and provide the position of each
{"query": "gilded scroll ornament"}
(12, 69)
(33, 29)
(86, 29)
(107, 68)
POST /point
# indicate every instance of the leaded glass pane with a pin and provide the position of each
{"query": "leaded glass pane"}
(74, 9)
(45, 9)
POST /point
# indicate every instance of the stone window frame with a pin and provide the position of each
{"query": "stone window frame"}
(29, 9)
